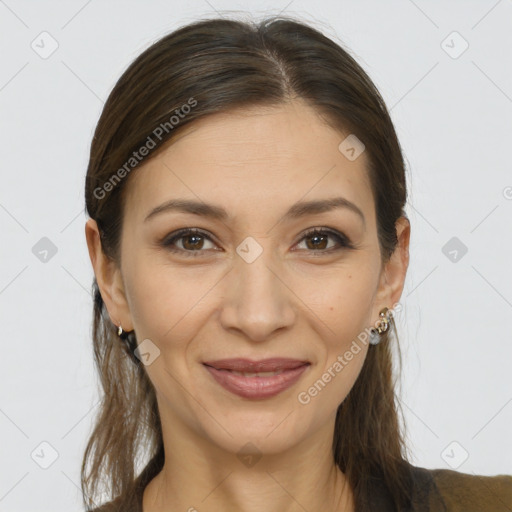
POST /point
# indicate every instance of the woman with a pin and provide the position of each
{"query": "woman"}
(246, 194)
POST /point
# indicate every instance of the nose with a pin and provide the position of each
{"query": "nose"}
(258, 301)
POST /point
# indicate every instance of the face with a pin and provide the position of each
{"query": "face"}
(253, 283)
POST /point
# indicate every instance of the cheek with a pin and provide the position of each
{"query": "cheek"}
(342, 299)
(168, 301)
(343, 309)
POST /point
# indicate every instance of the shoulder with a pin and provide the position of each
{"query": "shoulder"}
(463, 492)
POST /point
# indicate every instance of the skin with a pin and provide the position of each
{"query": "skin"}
(292, 301)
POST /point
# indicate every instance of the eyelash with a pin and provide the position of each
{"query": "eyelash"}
(343, 241)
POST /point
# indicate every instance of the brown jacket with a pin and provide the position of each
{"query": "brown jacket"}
(435, 490)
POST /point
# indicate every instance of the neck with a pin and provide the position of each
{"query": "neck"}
(200, 477)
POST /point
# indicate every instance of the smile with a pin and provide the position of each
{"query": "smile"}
(257, 385)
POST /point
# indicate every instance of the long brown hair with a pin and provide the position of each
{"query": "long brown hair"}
(211, 66)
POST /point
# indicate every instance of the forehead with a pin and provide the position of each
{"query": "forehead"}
(258, 157)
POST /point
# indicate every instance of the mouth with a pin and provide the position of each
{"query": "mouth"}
(256, 379)
(242, 365)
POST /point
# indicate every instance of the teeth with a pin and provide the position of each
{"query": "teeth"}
(258, 374)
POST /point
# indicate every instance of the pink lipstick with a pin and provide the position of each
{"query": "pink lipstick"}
(256, 379)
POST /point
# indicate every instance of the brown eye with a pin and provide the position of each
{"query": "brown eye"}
(192, 242)
(317, 240)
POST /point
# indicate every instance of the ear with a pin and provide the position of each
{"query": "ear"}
(393, 274)
(109, 278)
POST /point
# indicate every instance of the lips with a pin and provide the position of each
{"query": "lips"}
(277, 364)
(256, 380)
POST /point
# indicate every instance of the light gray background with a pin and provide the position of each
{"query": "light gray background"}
(453, 117)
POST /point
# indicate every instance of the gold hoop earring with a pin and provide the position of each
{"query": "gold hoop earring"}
(121, 333)
(382, 327)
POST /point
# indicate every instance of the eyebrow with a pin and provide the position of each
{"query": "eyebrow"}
(299, 209)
